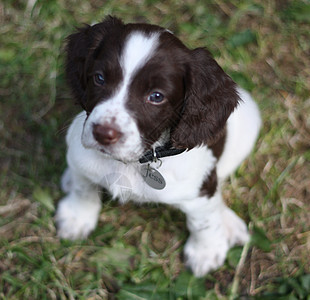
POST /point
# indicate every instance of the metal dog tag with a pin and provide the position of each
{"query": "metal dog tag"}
(152, 177)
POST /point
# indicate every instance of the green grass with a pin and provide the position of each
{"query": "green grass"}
(264, 46)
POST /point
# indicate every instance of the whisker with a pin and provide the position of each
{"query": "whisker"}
(147, 141)
(67, 124)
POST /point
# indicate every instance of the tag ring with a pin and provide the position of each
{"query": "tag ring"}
(155, 159)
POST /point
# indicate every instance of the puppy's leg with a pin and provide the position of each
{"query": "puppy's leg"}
(77, 213)
(66, 181)
(214, 228)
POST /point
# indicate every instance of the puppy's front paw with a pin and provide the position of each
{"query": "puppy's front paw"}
(202, 256)
(76, 219)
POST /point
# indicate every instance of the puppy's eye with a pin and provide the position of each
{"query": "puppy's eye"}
(156, 98)
(98, 79)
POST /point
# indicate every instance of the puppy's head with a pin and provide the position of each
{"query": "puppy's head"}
(139, 85)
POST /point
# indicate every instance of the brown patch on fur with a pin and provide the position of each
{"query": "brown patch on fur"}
(218, 147)
(211, 97)
(209, 186)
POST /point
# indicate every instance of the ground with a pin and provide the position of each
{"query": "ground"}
(136, 251)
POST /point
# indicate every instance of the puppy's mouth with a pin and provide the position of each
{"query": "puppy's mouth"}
(120, 155)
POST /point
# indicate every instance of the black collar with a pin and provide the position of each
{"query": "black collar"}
(160, 152)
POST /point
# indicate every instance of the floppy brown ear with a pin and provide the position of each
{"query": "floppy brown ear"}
(211, 97)
(79, 46)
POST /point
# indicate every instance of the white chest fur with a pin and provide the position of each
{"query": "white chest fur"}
(183, 173)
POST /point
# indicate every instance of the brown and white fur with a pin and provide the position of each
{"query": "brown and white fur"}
(140, 88)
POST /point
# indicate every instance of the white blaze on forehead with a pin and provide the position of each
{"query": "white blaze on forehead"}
(138, 49)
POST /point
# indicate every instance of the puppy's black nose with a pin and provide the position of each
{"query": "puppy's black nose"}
(106, 134)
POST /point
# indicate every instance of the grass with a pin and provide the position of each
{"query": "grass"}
(264, 46)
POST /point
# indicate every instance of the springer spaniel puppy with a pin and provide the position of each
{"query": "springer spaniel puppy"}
(161, 123)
